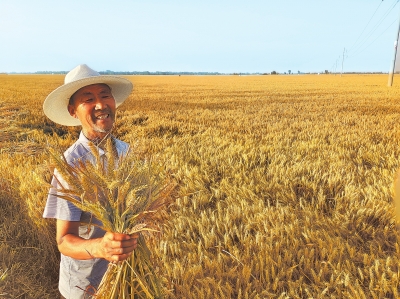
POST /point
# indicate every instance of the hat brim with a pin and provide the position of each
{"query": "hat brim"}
(55, 106)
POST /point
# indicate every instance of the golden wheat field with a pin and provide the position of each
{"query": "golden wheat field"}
(285, 184)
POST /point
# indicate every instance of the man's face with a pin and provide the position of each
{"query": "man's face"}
(94, 106)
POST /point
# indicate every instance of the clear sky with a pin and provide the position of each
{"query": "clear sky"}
(208, 35)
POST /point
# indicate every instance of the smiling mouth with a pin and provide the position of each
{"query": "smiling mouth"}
(102, 116)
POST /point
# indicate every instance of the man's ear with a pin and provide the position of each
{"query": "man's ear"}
(71, 110)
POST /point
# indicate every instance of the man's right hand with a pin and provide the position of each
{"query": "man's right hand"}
(113, 247)
(116, 247)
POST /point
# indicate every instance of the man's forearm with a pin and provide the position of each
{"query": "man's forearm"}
(79, 248)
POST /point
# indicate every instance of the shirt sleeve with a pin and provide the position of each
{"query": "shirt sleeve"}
(57, 207)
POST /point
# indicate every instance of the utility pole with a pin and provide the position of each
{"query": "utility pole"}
(335, 66)
(344, 50)
(391, 72)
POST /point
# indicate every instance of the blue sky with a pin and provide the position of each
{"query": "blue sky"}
(211, 36)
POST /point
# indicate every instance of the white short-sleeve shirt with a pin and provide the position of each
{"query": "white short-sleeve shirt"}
(77, 275)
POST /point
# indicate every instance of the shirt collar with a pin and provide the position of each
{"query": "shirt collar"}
(122, 147)
(85, 142)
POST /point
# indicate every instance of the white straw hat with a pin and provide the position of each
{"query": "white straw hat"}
(55, 106)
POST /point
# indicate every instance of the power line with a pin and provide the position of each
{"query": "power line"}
(361, 45)
(365, 39)
(366, 25)
(363, 49)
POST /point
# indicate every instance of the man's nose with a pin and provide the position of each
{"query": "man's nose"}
(100, 104)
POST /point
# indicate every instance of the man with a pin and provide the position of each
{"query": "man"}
(89, 100)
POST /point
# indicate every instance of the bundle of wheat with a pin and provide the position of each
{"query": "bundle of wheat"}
(127, 195)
